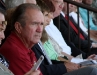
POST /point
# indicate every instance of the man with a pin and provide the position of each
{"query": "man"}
(57, 67)
(73, 15)
(10, 6)
(74, 37)
(3, 63)
(27, 30)
(83, 13)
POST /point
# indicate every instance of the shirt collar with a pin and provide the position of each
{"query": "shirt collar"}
(62, 13)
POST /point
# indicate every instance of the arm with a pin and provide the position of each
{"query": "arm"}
(37, 72)
(68, 56)
(73, 36)
(57, 68)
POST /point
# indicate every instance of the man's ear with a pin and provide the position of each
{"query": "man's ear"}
(18, 27)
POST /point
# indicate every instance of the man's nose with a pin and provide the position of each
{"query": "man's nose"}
(40, 28)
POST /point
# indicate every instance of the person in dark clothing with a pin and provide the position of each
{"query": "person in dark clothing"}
(59, 67)
(74, 37)
(56, 67)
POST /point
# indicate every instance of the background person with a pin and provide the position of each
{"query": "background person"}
(83, 13)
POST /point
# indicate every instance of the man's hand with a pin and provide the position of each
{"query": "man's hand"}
(37, 72)
(93, 32)
(92, 56)
(93, 35)
(94, 45)
(71, 66)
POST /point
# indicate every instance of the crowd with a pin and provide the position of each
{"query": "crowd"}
(30, 28)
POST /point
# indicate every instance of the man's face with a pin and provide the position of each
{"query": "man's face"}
(89, 2)
(2, 27)
(71, 8)
(58, 7)
(30, 1)
(32, 31)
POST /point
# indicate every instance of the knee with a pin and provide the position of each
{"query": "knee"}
(93, 70)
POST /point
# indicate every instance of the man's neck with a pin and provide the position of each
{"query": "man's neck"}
(27, 44)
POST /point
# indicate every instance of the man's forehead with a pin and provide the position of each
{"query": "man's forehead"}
(34, 14)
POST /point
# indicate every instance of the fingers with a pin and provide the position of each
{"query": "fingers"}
(91, 56)
(71, 66)
(37, 72)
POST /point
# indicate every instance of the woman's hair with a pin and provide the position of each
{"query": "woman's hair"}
(46, 5)
(44, 37)
(9, 13)
(2, 11)
(8, 18)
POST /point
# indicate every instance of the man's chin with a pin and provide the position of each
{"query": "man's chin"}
(36, 41)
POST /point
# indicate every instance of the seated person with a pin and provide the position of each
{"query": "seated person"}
(74, 14)
(3, 63)
(83, 13)
(45, 63)
(74, 36)
(19, 54)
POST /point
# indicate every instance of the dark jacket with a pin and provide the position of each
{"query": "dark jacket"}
(73, 35)
(75, 51)
(57, 68)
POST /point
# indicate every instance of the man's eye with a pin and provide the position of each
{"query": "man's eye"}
(34, 23)
(42, 23)
(37, 23)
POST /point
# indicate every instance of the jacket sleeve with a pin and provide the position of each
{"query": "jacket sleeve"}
(75, 51)
(73, 36)
(58, 68)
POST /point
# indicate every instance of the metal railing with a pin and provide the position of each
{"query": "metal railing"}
(88, 8)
